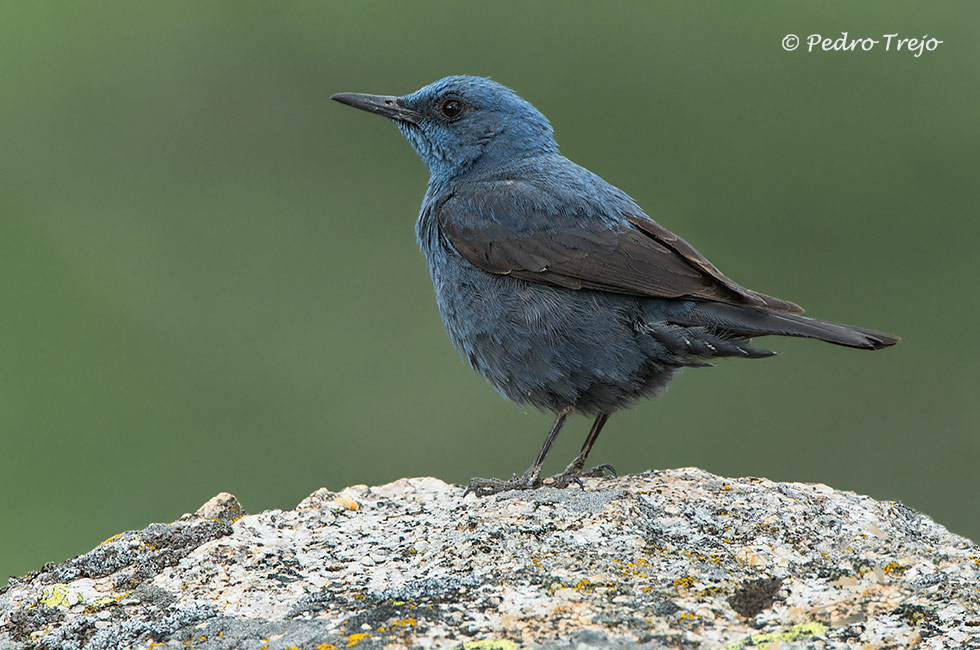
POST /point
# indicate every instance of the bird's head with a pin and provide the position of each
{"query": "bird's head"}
(460, 124)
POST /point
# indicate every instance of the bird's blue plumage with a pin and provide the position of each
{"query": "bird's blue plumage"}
(553, 284)
(488, 134)
(535, 343)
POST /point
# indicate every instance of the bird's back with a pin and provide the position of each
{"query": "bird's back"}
(549, 288)
(548, 345)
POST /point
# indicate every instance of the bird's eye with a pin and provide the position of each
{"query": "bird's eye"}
(451, 108)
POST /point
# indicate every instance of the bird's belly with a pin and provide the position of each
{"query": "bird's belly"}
(548, 346)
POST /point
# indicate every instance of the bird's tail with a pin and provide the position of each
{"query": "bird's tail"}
(748, 322)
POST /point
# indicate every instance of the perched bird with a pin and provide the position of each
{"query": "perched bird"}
(553, 284)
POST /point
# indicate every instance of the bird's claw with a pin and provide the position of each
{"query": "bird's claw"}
(599, 471)
(483, 487)
(574, 474)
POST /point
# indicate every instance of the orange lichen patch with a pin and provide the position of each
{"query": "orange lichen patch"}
(684, 583)
(111, 539)
(710, 591)
(640, 562)
(347, 503)
(354, 639)
(895, 569)
(360, 596)
(634, 569)
(326, 646)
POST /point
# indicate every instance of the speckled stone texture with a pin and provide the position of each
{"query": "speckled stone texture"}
(671, 559)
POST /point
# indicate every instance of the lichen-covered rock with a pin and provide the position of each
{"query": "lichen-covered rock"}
(672, 559)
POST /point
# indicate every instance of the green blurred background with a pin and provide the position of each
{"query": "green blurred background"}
(210, 280)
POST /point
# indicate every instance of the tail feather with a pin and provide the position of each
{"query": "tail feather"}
(748, 321)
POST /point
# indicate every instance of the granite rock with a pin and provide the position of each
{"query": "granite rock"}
(668, 559)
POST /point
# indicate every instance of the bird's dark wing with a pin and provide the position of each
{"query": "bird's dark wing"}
(513, 228)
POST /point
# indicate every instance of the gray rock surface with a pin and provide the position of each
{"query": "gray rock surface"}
(671, 559)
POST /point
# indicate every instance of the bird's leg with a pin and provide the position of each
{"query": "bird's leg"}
(531, 478)
(576, 469)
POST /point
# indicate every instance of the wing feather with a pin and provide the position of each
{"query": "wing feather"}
(511, 228)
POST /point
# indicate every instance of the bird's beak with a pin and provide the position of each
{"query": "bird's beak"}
(380, 104)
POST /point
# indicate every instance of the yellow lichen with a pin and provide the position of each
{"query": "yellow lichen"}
(495, 644)
(768, 640)
(56, 595)
(895, 569)
(354, 639)
(710, 591)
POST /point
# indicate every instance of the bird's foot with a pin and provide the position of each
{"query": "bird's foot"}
(575, 473)
(483, 487)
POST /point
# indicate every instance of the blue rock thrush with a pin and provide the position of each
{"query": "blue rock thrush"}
(553, 284)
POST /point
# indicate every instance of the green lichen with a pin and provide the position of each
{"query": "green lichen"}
(764, 641)
(491, 644)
